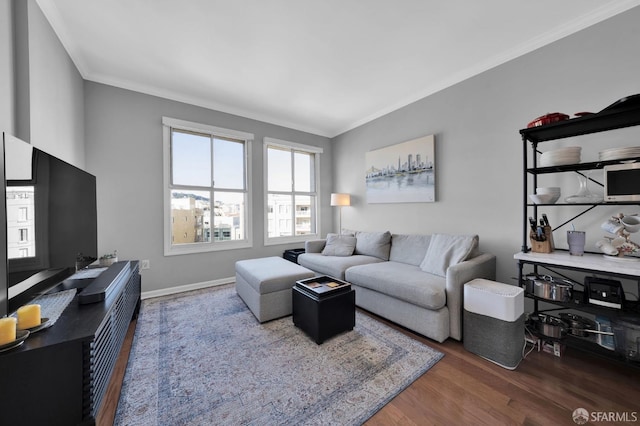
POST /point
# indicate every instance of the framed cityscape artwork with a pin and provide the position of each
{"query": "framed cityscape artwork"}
(402, 173)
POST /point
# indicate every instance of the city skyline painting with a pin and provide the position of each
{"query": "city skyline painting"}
(402, 173)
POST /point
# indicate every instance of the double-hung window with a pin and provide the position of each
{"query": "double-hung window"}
(206, 172)
(291, 190)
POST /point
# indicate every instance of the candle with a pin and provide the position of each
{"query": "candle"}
(7, 330)
(28, 316)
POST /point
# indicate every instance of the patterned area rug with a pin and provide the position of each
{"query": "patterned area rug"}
(201, 358)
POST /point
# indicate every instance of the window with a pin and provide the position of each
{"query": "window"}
(207, 186)
(291, 176)
(23, 214)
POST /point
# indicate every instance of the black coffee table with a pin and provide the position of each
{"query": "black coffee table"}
(324, 307)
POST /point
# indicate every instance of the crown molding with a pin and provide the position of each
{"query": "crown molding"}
(598, 15)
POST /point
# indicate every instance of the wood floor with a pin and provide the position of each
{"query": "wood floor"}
(464, 389)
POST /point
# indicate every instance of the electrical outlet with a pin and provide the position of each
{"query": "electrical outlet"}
(145, 264)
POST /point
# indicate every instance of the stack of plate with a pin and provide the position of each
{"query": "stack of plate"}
(620, 153)
(559, 157)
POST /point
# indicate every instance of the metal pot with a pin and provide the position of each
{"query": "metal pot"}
(578, 326)
(549, 288)
(550, 326)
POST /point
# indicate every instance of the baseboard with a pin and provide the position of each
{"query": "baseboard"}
(187, 287)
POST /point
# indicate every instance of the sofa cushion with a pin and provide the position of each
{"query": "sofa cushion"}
(446, 250)
(339, 245)
(402, 281)
(334, 266)
(314, 246)
(408, 248)
(376, 244)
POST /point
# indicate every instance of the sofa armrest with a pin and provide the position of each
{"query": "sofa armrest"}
(314, 246)
(481, 266)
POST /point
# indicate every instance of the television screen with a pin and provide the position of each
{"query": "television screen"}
(51, 220)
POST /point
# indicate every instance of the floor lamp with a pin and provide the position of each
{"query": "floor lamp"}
(340, 200)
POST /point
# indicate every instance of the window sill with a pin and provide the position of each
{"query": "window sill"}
(205, 248)
(289, 240)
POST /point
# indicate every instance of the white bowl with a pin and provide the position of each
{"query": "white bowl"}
(548, 190)
(540, 198)
(631, 223)
(554, 191)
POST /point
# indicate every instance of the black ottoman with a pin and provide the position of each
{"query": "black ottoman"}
(324, 307)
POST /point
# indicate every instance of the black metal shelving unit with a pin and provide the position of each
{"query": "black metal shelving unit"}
(592, 263)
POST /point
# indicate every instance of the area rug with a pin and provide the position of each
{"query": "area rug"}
(202, 358)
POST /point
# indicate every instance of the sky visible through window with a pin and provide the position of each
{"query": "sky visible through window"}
(280, 175)
(191, 163)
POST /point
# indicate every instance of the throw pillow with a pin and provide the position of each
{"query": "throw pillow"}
(447, 250)
(339, 245)
(409, 248)
(376, 244)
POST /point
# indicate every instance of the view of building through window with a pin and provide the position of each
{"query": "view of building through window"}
(20, 222)
(191, 217)
(286, 218)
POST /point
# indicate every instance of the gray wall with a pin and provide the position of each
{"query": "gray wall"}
(7, 89)
(41, 91)
(478, 147)
(55, 93)
(124, 151)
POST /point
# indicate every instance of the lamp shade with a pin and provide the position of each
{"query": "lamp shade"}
(340, 199)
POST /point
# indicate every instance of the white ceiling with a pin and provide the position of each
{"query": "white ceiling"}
(321, 66)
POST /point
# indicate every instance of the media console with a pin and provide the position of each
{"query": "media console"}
(59, 376)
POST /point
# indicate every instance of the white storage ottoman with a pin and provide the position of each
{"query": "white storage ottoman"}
(493, 324)
(265, 285)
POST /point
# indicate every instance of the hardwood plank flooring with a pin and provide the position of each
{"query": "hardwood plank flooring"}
(543, 390)
(465, 389)
(107, 412)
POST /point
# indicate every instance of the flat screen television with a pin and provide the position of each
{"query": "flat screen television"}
(51, 222)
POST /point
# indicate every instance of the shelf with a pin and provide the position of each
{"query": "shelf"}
(600, 122)
(590, 262)
(589, 346)
(594, 165)
(619, 115)
(578, 303)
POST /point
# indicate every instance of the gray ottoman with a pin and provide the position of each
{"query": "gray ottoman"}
(265, 285)
(494, 321)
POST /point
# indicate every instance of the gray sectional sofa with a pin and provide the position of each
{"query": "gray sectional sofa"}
(413, 280)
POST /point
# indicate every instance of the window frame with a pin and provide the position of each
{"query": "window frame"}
(170, 124)
(315, 192)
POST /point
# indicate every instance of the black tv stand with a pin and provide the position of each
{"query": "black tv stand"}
(59, 376)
